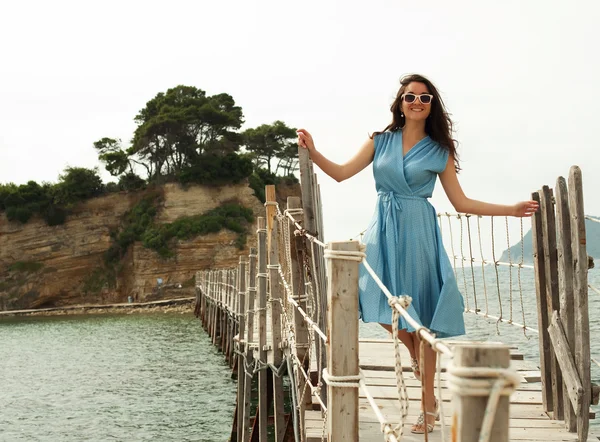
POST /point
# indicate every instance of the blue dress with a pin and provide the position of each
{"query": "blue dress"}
(403, 241)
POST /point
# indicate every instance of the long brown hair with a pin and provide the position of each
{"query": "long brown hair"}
(438, 125)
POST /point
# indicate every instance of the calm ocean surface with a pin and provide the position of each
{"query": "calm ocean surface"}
(157, 377)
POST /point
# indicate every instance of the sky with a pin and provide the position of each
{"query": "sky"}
(518, 77)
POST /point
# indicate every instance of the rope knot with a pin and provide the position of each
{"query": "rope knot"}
(483, 381)
(349, 381)
(344, 255)
(403, 301)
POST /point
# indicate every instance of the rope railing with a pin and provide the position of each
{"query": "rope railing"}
(218, 291)
(471, 283)
(591, 218)
(396, 303)
(301, 309)
(399, 304)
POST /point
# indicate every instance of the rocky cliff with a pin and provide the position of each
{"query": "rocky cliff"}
(42, 266)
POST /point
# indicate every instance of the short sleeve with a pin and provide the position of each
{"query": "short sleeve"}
(441, 160)
(380, 140)
(377, 140)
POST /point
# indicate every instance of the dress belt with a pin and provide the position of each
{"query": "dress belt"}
(392, 204)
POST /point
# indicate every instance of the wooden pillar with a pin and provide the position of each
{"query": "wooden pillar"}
(470, 410)
(203, 297)
(263, 410)
(582, 322)
(207, 326)
(230, 314)
(234, 318)
(310, 224)
(271, 210)
(213, 303)
(342, 317)
(241, 369)
(565, 284)
(320, 260)
(572, 384)
(216, 314)
(224, 313)
(225, 316)
(251, 294)
(552, 296)
(300, 296)
(542, 306)
(276, 353)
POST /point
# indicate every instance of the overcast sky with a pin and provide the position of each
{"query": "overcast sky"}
(519, 77)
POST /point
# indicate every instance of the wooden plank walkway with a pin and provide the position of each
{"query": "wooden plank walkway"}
(528, 420)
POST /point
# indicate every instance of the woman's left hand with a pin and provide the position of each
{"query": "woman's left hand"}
(525, 208)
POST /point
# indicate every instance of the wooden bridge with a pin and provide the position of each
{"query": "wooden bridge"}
(288, 326)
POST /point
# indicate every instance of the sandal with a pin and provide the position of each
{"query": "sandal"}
(419, 426)
(414, 364)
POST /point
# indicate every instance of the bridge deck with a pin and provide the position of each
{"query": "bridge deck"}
(528, 420)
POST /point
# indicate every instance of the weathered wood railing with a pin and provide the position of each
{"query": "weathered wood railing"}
(561, 266)
(250, 317)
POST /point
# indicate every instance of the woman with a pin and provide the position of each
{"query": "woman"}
(403, 241)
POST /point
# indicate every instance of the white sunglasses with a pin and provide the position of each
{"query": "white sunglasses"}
(423, 98)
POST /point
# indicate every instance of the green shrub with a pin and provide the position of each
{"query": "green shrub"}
(21, 214)
(228, 216)
(213, 169)
(112, 187)
(259, 179)
(55, 215)
(47, 200)
(25, 266)
(77, 184)
(131, 181)
(135, 223)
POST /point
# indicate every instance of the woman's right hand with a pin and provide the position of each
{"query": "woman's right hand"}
(305, 140)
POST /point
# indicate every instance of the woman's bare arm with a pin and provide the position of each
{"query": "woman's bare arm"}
(338, 172)
(463, 204)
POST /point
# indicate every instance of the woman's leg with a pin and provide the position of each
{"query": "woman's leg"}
(428, 368)
(405, 337)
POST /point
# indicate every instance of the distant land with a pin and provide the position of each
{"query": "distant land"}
(593, 245)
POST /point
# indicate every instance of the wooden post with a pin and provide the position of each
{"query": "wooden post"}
(225, 331)
(321, 227)
(469, 411)
(250, 301)
(276, 353)
(241, 369)
(271, 211)
(299, 294)
(565, 358)
(209, 291)
(213, 313)
(204, 280)
(342, 316)
(225, 320)
(222, 312)
(211, 304)
(310, 224)
(217, 314)
(263, 410)
(319, 263)
(231, 317)
(251, 293)
(552, 296)
(565, 285)
(542, 306)
(582, 322)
